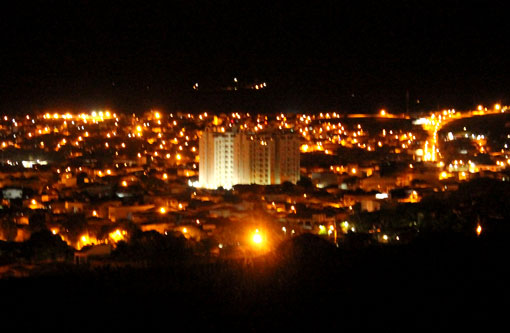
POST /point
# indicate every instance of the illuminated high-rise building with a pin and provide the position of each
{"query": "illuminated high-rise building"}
(216, 150)
(233, 157)
(287, 158)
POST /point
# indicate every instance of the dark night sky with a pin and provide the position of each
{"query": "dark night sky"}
(132, 56)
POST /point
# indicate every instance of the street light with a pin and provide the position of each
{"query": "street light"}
(257, 237)
(478, 229)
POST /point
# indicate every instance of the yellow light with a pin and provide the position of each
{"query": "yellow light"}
(184, 230)
(94, 213)
(478, 229)
(124, 183)
(157, 115)
(117, 235)
(138, 128)
(257, 238)
(162, 210)
(497, 107)
(165, 176)
(383, 112)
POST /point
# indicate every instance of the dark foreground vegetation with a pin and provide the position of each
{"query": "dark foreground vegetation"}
(436, 281)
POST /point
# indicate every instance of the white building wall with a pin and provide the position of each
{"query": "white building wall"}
(224, 160)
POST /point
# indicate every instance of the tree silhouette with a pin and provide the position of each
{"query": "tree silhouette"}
(43, 245)
(305, 182)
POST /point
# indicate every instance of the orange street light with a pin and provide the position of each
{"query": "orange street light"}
(478, 229)
(257, 237)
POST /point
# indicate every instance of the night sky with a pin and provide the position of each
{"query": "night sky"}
(354, 56)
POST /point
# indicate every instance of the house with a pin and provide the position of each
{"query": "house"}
(96, 251)
(126, 212)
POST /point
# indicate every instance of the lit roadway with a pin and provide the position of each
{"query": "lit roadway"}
(433, 124)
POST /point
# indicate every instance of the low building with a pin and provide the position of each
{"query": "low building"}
(94, 252)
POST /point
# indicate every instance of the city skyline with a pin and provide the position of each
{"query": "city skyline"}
(254, 166)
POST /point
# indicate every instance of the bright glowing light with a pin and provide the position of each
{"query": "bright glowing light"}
(257, 237)
(117, 235)
(478, 229)
(162, 210)
(322, 230)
